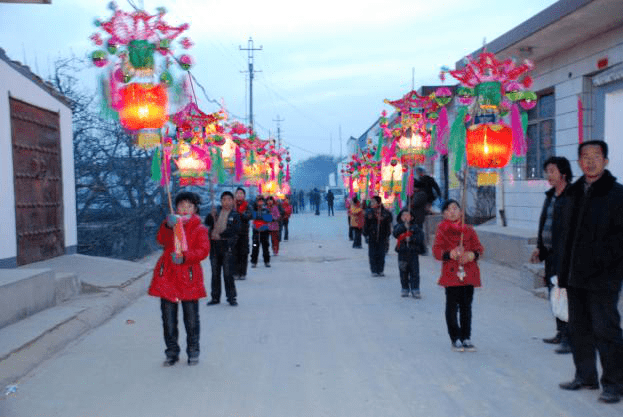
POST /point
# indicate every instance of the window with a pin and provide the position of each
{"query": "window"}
(541, 137)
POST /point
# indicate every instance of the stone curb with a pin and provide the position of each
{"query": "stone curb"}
(22, 361)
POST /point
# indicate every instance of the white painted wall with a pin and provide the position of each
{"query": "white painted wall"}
(569, 73)
(14, 84)
(614, 131)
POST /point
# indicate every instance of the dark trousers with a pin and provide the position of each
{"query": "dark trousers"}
(356, 237)
(283, 229)
(376, 254)
(459, 300)
(595, 325)
(331, 212)
(409, 267)
(221, 258)
(171, 333)
(241, 255)
(260, 238)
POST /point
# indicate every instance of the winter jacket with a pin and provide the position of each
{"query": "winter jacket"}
(430, 187)
(356, 216)
(273, 226)
(418, 207)
(181, 282)
(244, 210)
(409, 240)
(287, 210)
(449, 237)
(593, 232)
(550, 256)
(261, 219)
(230, 234)
(377, 229)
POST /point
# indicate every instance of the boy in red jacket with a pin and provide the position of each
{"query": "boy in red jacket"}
(178, 277)
(459, 273)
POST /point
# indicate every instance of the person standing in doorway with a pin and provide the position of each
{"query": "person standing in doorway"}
(241, 250)
(224, 225)
(428, 184)
(330, 200)
(549, 246)
(592, 270)
(178, 278)
(377, 229)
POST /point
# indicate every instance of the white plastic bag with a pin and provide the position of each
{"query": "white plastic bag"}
(558, 299)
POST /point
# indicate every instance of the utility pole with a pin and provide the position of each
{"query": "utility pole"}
(251, 71)
(340, 133)
(278, 120)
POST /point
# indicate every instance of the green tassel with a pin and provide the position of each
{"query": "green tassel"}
(396, 207)
(524, 122)
(433, 139)
(367, 185)
(252, 157)
(156, 163)
(106, 112)
(403, 192)
(280, 177)
(379, 147)
(456, 144)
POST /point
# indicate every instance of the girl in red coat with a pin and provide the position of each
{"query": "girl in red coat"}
(459, 273)
(178, 278)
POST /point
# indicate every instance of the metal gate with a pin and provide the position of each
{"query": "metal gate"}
(38, 182)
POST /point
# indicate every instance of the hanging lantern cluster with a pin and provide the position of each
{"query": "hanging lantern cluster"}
(138, 49)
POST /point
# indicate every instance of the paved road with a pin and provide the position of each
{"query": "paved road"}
(316, 335)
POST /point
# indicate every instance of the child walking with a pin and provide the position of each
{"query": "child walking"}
(459, 273)
(410, 244)
(178, 277)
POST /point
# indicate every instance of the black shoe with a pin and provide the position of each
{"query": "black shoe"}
(610, 397)
(253, 265)
(193, 361)
(170, 362)
(242, 277)
(577, 384)
(554, 340)
(233, 303)
(267, 264)
(381, 274)
(563, 349)
(213, 302)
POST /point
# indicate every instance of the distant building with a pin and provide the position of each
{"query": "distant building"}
(38, 205)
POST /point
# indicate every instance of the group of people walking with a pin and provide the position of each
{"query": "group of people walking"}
(224, 237)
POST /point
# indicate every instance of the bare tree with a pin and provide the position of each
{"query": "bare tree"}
(119, 207)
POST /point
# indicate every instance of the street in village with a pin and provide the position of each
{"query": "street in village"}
(317, 335)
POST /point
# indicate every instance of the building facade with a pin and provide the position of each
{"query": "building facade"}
(38, 208)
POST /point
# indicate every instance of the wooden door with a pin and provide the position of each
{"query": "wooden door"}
(38, 182)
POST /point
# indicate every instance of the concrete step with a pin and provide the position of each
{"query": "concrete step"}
(24, 292)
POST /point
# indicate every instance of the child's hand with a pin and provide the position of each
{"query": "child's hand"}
(467, 257)
(456, 253)
(172, 219)
(177, 258)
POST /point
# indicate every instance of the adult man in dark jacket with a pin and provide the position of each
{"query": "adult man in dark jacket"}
(377, 228)
(224, 225)
(591, 269)
(428, 184)
(549, 245)
(241, 249)
(330, 199)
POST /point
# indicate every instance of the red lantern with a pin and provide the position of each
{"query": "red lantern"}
(143, 106)
(489, 145)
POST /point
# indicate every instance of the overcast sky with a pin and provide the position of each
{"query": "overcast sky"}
(325, 64)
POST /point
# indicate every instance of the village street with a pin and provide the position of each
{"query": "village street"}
(316, 335)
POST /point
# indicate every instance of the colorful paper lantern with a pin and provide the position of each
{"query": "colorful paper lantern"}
(143, 106)
(489, 145)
